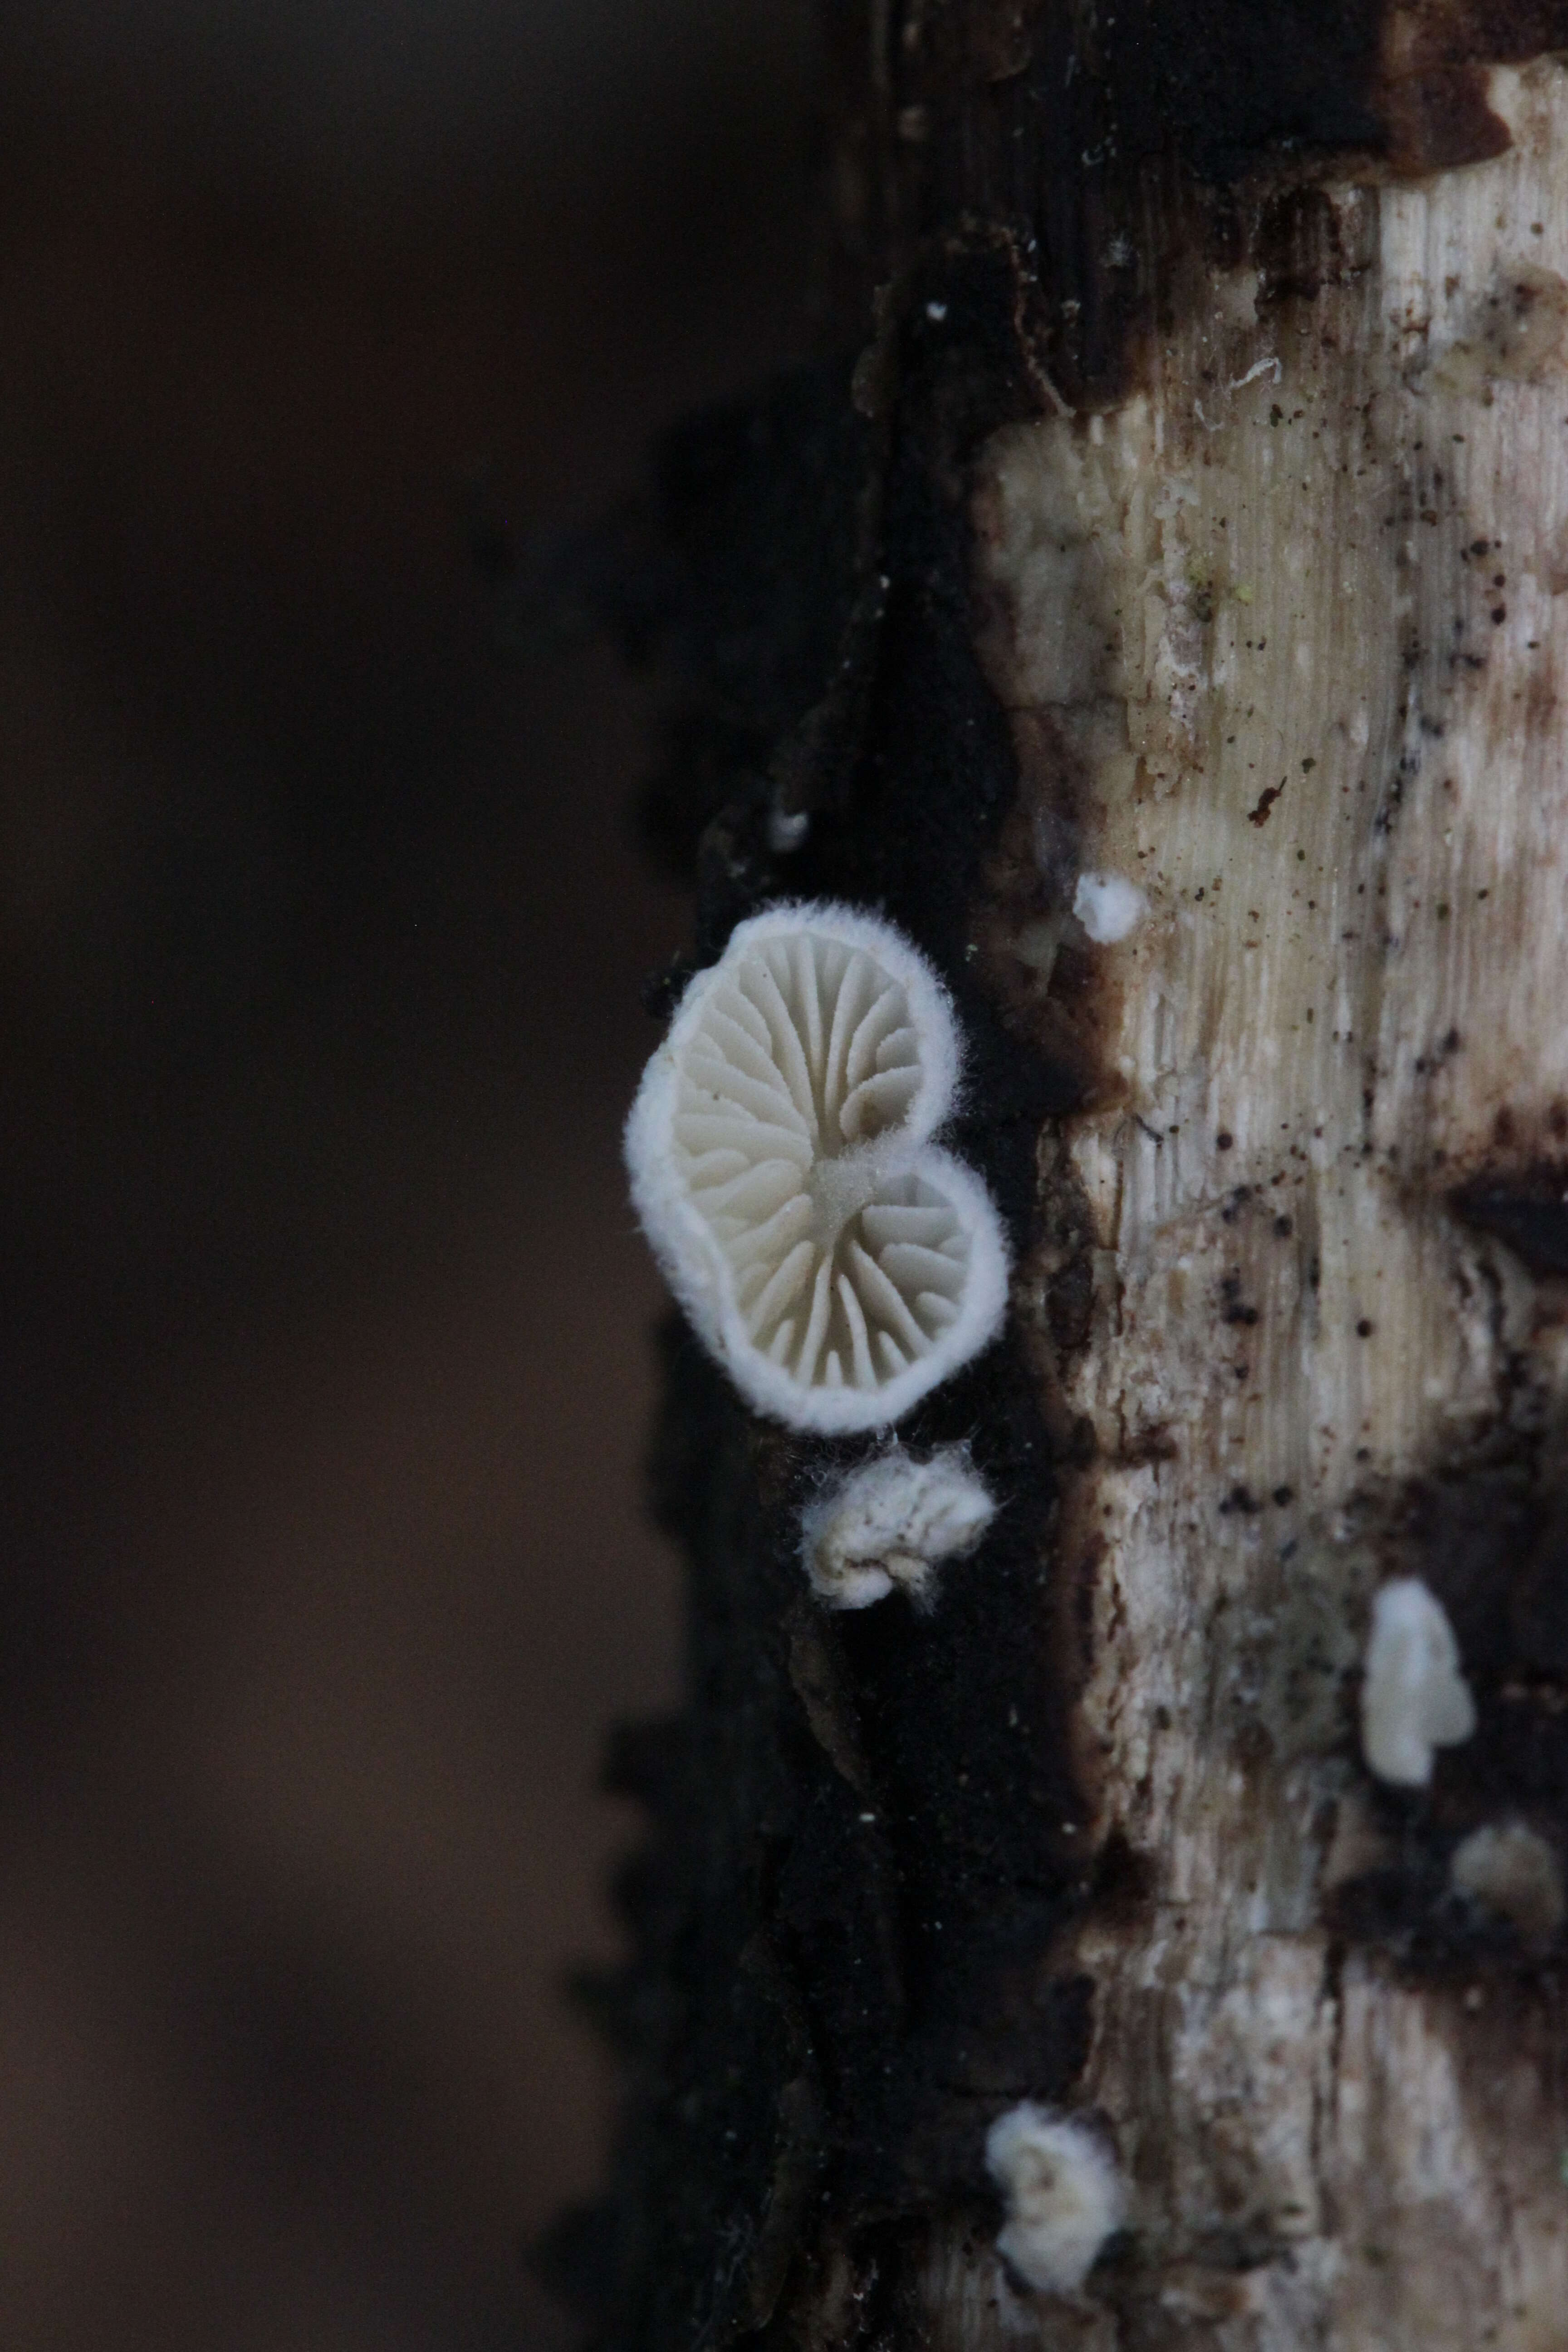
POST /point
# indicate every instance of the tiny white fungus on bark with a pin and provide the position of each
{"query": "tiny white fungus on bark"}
(1064, 2195)
(1414, 1698)
(787, 829)
(832, 1258)
(893, 1521)
(1108, 906)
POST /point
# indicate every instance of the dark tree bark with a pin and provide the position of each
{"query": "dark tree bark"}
(1191, 511)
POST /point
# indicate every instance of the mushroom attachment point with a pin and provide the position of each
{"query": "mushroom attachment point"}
(835, 1259)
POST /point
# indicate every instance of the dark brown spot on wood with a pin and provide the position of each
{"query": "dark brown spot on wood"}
(1069, 1304)
(1155, 1444)
(1439, 120)
(1234, 1309)
(1304, 242)
(1124, 1879)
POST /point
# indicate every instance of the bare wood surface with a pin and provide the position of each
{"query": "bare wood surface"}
(1281, 636)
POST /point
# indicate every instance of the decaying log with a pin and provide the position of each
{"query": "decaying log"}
(1186, 685)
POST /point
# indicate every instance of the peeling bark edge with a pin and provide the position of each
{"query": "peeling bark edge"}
(864, 1828)
(1064, 127)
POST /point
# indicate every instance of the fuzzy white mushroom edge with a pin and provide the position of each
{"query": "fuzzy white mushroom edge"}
(827, 1250)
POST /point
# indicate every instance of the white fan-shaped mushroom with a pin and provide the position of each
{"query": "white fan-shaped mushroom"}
(834, 1258)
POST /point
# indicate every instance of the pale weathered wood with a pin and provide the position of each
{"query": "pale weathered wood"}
(1282, 635)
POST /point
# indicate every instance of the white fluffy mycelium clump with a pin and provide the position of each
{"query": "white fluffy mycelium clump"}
(1064, 2196)
(1414, 1698)
(836, 1260)
(1108, 906)
(893, 1521)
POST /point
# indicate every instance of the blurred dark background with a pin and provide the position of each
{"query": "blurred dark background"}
(321, 926)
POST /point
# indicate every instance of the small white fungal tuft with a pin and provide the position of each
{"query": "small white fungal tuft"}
(1508, 1868)
(893, 1521)
(832, 1257)
(1414, 1697)
(787, 829)
(1108, 906)
(1064, 2194)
